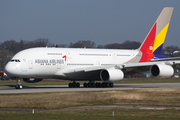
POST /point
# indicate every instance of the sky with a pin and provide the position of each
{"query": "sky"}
(101, 21)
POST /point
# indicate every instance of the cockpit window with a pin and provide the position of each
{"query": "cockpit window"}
(15, 60)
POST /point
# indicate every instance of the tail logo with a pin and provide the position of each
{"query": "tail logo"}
(150, 47)
(153, 43)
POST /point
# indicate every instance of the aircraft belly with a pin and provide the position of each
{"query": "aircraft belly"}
(93, 75)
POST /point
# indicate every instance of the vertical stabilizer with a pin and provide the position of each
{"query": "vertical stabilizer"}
(153, 43)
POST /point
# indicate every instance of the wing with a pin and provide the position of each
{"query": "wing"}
(164, 68)
(166, 59)
(157, 68)
(82, 73)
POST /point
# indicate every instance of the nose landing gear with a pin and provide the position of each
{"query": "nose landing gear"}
(18, 85)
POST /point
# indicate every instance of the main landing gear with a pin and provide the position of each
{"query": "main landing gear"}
(74, 84)
(18, 85)
(91, 85)
(98, 85)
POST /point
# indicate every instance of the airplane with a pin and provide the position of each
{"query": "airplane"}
(106, 65)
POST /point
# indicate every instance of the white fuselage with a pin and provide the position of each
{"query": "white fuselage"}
(52, 62)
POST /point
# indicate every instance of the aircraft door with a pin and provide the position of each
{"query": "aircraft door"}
(68, 55)
(58, 65)
(113, 55)
(98, 63)
(30, 64)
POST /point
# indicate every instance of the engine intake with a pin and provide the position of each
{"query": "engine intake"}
(162, 70)
(32, 80)
(112, 75)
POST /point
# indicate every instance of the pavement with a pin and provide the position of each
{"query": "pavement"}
(65, 88)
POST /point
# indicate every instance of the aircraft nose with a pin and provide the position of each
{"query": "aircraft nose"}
(9, 69)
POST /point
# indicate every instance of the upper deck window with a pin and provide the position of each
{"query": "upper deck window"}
(54, 53)
(94, 54)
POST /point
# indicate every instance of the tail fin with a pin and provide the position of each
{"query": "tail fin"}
(153, 43)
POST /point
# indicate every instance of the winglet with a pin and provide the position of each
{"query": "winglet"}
(154, 40)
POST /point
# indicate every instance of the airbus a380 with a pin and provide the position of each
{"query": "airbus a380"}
(107, 65)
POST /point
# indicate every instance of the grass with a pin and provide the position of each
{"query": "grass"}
(159, 97)
(144, 97)
(97, 115)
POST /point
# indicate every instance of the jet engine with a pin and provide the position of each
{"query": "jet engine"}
(112, 75)
(32, 80)
(162, 70)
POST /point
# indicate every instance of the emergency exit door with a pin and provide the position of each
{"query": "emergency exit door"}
(30, 64)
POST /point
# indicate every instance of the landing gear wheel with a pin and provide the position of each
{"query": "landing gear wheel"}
(77, 84)
(85, 85)
(93, 85)
(103, 85)
(111, 85)
(70, 85)
(18, 86)
(107, 84)
(89, 85)
(74, 85)
(99, 85)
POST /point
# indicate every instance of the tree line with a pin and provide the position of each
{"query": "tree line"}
(10, 47)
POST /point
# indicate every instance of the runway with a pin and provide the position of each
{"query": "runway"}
(65, 88)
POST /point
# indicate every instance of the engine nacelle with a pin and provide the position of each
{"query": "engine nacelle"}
(162, 70)
(112, 75)
(32, 80)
